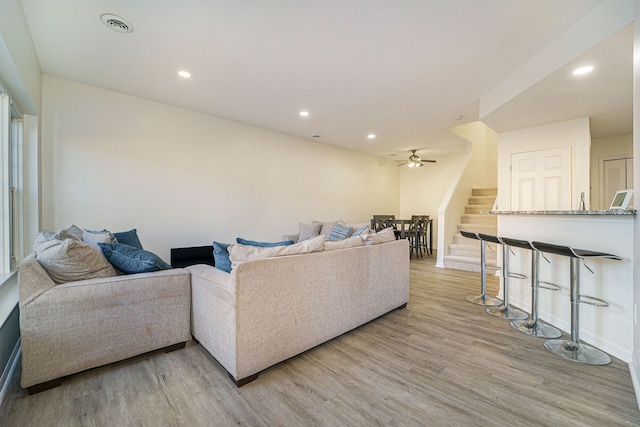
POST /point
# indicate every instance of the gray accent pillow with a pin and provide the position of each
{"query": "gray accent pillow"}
(307, 231)
(70, 260)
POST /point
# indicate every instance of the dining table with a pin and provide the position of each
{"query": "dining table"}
(403, 226)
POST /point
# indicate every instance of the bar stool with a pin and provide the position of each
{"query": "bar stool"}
(503, 310)
(481, 299)
(573, 349)
(534, 327)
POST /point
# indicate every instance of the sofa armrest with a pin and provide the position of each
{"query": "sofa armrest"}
(80, 325)
(213, 312)
(33, 280)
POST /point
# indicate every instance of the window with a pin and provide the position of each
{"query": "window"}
(12, 189)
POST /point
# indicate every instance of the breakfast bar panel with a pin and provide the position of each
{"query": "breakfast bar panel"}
(609, 328)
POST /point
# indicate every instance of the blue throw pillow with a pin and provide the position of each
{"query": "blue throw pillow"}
(129, 238)
(263, 244)
(221, 256)
(359, 231)
(130, 260)
(339, 232)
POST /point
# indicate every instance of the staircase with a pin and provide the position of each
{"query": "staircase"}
(464, 253)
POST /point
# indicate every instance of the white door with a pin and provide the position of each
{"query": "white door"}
(617, 174)
(541, 180)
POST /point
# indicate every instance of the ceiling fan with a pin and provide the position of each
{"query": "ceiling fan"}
(415, 161)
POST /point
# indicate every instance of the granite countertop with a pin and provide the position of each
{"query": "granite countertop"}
(574, 212)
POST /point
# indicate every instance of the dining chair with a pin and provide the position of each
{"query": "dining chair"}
(380, 222)
(418, 234)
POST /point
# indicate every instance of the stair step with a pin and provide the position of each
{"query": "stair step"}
(482, 200)
(461, 263)
(479, 219)
(484, 192)
(479, 228)
(476, 209)
(473, 250)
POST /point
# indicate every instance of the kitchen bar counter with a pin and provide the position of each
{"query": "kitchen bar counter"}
(610, 328)
(575, 212)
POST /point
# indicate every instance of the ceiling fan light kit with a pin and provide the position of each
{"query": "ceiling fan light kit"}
(415, 161)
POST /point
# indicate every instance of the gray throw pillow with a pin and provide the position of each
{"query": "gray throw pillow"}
(70, 260)
(307, 231)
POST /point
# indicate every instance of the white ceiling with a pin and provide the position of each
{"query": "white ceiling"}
(400, 69)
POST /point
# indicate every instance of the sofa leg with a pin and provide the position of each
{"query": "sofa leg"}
(174, 347)
(402, 306)
(243, 381)
(44, 386)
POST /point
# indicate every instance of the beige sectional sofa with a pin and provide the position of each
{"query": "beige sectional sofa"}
(70, 327)
(268, 310)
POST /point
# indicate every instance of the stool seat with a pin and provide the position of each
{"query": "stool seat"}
(533, 326)
(504, 311)
(572, 252)
(481, 299)
(573, 349)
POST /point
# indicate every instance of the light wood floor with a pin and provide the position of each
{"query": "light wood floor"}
(439, 362)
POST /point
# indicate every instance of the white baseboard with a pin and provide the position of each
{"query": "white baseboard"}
(8, 371)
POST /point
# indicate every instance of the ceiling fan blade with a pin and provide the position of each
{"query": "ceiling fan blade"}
(429, 161)
(402, 164)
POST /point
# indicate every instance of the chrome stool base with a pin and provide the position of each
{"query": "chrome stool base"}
(577, 352)
(484, 300)
(536, 329)
(507, 313)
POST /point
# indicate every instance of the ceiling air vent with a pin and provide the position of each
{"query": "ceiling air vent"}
(116, 23)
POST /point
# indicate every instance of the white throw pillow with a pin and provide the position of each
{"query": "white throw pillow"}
(350, 242)
(241, 253)
(386, 235)
(92, 238)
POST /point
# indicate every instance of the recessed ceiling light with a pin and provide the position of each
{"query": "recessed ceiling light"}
(184, 74)
(371, 136)
(458, 117)
(304, 114)
(315, 135)
(583, 70)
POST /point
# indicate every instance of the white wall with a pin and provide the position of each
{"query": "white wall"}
(571, 133)
(603, 148)
(184, 178)
(422, 190)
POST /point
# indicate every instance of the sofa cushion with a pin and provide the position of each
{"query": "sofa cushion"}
(242, 241)
(383, 236)
(132, 260)
(242, 253)
(129, 238)
(350, 242)
(339, 232)
(221, 256)
(92, 238)
(70, 260)
(307, 231)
